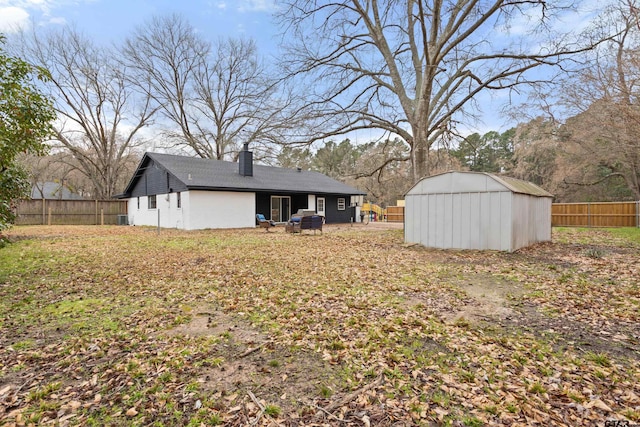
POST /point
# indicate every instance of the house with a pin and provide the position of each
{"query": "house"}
(475, 210)
(53, 191)
(194, 193)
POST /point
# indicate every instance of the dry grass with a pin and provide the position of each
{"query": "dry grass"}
(121, 326)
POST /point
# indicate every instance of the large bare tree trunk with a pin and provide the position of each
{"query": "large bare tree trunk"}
(413, 68)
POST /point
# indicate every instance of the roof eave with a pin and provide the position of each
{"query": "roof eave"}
(271, 190)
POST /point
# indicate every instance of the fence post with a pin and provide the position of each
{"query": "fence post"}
(44, 211)
(49, 222)
(589, 215)
(638, 214)
(101, 216)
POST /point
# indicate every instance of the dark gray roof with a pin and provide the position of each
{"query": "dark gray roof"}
(52, 190)
(208, 174)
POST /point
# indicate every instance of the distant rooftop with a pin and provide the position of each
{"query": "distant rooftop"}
(53, 191)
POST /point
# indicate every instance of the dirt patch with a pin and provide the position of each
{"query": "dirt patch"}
(487, 298)
(249, 361)
(495, 302)
(214, 323)
(273, 374)
(565, 333)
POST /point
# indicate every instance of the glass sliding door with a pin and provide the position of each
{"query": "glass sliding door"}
(280, 208)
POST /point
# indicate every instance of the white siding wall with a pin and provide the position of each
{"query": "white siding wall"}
(219, 209)
(132, 210)
(167, 204)
(144, 215)
(459, 220)
(311, 203)
(199, 210)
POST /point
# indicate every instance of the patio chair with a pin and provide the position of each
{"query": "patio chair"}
(264, 223)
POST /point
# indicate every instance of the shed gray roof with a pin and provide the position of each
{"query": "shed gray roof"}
(208, 174)
(521, 186)
(458, 181)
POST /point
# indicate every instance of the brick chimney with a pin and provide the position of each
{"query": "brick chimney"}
(245, 160)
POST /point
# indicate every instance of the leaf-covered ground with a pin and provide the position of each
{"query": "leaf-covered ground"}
(122, 326)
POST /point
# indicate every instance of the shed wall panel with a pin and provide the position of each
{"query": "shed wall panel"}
(484, 220)
(440, 223)
(475, 226)
(459, 226)
(449, 224)
(494, 230)
(459, 221)
(531, 221)
(474, 211)
(425, 212)
(506, 216)
(409, 218)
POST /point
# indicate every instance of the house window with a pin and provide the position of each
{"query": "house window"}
(152, 202)
(179, 200)
(341, 203)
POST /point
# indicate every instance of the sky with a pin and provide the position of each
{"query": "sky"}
(112, 20)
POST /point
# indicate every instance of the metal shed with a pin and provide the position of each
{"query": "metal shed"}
(475, 210)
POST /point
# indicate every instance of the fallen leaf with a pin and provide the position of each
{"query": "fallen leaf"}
(597, 403)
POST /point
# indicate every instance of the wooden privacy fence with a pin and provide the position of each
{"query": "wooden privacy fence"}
(70, 212)
(597, 214)
(109, 212)
(395, 213)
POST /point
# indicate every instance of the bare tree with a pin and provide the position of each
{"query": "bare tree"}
(215, 96)
(536, 145)
(382, 171)
(99, 113)
(601, 140)
(414, 68)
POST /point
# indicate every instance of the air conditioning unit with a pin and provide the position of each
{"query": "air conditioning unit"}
(123, 220)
